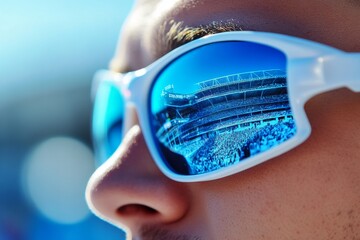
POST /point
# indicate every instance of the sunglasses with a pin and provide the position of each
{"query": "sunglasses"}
(221, 104)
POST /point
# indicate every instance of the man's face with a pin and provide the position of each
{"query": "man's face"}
(311, 192)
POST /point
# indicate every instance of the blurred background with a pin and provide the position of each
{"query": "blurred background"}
(49, 51)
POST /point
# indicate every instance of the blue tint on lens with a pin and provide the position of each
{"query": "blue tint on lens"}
(220, 104)
(107, 120)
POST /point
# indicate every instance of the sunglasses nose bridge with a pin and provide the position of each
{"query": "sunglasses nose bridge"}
(134, 89)
(131, 84)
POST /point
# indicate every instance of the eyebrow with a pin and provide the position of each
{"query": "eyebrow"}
(355, 3)
(173, 34)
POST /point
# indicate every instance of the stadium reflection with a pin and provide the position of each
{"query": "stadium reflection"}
(223, 120)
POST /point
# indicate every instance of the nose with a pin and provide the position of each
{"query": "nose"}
(129, 190)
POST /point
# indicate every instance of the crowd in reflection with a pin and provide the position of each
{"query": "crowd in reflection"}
(231, 146)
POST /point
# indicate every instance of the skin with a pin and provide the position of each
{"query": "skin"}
(310, 192)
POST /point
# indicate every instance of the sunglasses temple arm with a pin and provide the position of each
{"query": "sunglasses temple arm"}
(342, 70)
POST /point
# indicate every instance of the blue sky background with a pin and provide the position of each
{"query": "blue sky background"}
(48, 43)
(49, 51)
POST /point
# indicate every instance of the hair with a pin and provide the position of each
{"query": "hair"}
(173, 34)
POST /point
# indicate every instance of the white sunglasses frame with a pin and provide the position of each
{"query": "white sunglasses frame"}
(312, 68)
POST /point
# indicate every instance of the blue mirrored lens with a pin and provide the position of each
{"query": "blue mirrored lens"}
(107, 120)
(220, 104)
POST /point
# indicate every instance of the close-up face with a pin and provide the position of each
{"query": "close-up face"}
(309, 192)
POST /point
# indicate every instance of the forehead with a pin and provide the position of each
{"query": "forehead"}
(146, 31)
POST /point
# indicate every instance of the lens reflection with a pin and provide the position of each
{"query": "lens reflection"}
(107, 120)
(220, 104)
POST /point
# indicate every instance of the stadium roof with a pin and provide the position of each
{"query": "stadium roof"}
(245, 76)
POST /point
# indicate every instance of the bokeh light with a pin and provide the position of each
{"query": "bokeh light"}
(55, 177)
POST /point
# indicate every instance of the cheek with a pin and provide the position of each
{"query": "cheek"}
(252, 204)
(292, 194)
(300, 192)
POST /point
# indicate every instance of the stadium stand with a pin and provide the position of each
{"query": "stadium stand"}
(227, 119)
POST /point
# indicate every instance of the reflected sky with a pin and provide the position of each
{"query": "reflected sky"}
(213, 61)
